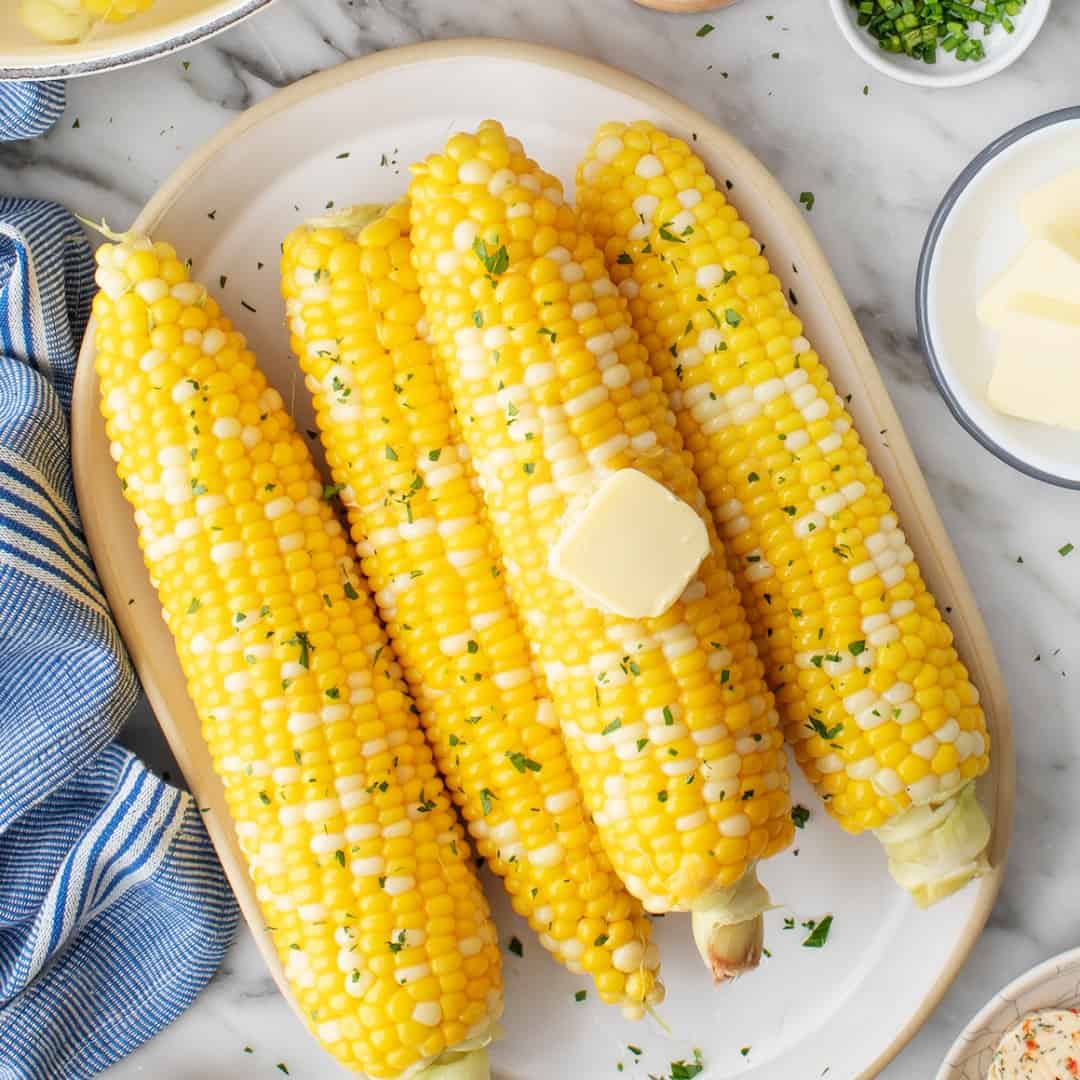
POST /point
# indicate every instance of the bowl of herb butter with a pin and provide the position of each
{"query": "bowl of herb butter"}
(940, 42)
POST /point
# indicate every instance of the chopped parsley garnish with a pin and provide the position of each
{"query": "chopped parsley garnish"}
(485, 800)
(704, 30)
(494, 262)
(516, 947)
(800, 815)
(732, 317)
(306, 648)
(687, 1070)
(613, 726)
(391, 454)
(194, 606)
(601, 941)
(340, 856)
(1065, 549)
(624, 259)
(581, 995)
(667, 234)
(668, 718)
(523, 763)
(819, 934)
(807, 199)
(397, 942)
(856, 647)
(818, 728)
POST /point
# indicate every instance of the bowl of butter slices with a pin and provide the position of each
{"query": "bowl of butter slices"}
(998, 298)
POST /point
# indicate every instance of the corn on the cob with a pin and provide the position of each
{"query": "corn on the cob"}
(353, 306)
(72, 20)
(668, 723)
(361, 870)
(875, 702)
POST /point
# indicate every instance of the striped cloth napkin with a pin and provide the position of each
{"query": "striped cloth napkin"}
(113, 909)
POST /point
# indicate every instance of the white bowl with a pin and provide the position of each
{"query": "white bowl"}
(167, 26)
(1001, 49)
(1053, 984)
(973, 236)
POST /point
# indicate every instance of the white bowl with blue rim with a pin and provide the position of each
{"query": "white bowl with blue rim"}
(1002, 49)
(975, 233)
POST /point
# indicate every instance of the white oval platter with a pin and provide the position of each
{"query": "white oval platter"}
(840, 1012)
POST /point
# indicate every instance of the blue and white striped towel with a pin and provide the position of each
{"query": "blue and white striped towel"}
(29, 108)
(113, 909)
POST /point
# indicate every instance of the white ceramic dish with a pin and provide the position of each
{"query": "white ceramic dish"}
(843, 1010)
(1002, 49)
(167, 26)
(973, 236)
(1054, 984)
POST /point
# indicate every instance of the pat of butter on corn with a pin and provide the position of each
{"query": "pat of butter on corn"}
(633, 549)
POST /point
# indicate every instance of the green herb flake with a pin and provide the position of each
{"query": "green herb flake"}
(800, 815)
(523, 763)
(494, 262)
(819, 934)
(516, 947)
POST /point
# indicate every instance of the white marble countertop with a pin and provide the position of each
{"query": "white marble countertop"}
(878, 156)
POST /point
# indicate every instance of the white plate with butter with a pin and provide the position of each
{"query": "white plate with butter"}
(1052, 985)
(166, 26)
(976, 235)
(346, 135)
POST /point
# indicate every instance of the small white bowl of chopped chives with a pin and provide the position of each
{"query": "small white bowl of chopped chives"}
(940, 42)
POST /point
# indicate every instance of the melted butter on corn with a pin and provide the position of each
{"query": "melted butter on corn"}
(357, 324)
(875, 701)
(668, 723)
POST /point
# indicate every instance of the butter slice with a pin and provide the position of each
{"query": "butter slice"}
(1054, 207)
(1043, 280)
(1037, 374)
(633, 549)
